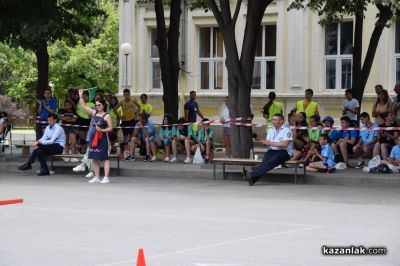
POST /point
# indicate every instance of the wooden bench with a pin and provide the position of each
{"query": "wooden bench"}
(80, 156)
(253, 162)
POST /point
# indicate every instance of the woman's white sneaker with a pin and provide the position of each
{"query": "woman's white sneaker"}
(94, 180)
(79, 168)
(90, 175)
(167, 159)
(105, 180)
(188, 160)
(153, 159)
(66, 160)
(173, 160)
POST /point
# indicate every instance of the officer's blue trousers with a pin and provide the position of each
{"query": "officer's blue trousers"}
(271, 159)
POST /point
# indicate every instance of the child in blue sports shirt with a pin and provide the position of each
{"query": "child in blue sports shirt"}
(327, 157)
(343, 140)
(394, 157)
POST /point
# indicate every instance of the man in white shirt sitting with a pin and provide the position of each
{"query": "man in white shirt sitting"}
(279, 143)
(52, 142)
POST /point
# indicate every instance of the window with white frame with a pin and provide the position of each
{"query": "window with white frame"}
(397, 52)
(155, 69)
(338, 55)
(211, 58)
(264, 64)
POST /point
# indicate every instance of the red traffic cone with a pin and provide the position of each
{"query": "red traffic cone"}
(140, 258)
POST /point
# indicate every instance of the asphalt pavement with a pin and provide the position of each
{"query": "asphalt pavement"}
(192, 222)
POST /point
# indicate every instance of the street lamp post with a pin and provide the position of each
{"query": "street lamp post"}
(126, 49)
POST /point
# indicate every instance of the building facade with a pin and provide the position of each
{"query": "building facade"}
(294, 53)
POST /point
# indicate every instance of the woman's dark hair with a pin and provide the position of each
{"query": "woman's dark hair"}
(169, 121)
(143, 95)
(103, 102)
(386, 94)
(271, 97)
(116, 101)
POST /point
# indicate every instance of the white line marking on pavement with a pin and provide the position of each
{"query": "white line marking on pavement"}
(231, 242)
(215, 264)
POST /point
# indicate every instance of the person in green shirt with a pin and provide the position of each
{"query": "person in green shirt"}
(144, 106)
(314, 134)
(308, 106)
(205, 139)
(271, 108)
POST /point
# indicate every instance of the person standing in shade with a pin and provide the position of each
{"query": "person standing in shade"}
(271, 108)
(52, 142)
(48, 105)
(279, 149)
(192, 109)
(351, 107)
(130, 112)
(101, 124)
(226, 127)
(307, 105)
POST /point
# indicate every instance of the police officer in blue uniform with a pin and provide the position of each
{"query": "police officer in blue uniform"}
(279, 143)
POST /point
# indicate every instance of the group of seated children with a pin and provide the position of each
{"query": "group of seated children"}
(185, 137)
(322, 149)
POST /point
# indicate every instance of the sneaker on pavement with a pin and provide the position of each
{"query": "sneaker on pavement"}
(79, 168)
(105, 180)
(146, 159)
(128, 158)
(94, 180)
(188, 160)
(173, 160)
(360, 164)
(153, 159)
(65, 160)
(90, 175)
(366, 169)
(278, 167)
(74, 160)
(167, 159)
(301, 165)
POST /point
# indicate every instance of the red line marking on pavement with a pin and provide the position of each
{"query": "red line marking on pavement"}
(12, 201)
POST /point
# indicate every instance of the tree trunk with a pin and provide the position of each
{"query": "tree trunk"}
(240, 71)
(42, 58)
(384, 17)
(168, 49)
(357, 56)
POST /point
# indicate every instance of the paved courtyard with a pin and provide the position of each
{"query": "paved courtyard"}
(192, 222)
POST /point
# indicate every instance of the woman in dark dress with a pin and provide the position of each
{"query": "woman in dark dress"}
(101, 124)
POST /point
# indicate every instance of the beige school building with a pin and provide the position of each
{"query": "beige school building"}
(294, 53)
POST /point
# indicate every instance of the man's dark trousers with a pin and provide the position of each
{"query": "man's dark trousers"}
(42, 151)
(271, 159)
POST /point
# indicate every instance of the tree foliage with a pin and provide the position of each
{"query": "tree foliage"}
(80, 61)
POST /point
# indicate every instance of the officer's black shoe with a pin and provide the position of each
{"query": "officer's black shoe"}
(25, 167)
(43, 173)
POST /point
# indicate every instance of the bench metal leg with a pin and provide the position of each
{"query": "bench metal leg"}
(214, 172)
(223, 171)
(52, 165)
(119, 170)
